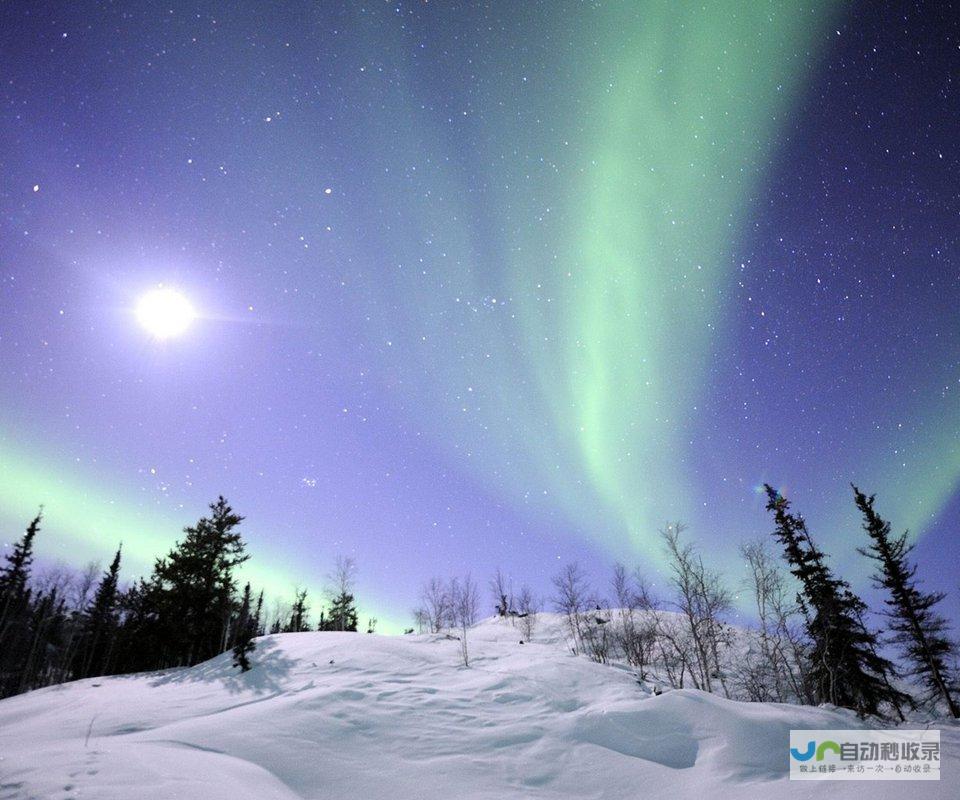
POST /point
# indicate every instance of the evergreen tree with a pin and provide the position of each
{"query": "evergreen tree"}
(186, 611)
(845, 667)
(100, 624)
(14, 576)
(246, 631)
(139, 641)
(343, 611)
(16, 612)
(45, 643)
(343, 614)
(194, 589)
(298, 614)
(918, 630)
(258, 616)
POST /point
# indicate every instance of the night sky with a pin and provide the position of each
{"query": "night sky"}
(479, 284)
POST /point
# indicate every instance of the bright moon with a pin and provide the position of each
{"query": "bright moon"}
(164, 312)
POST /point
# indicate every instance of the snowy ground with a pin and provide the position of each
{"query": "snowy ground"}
(328, 715)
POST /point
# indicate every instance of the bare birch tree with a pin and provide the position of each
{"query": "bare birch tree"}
(435, 604)
(527, 609)
(465, 605)
(701, 598)
(570, 599)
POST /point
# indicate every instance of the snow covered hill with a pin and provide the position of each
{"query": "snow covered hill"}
(330, 715)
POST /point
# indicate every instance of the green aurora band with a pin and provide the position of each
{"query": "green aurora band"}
(610, 258)
(692, 99)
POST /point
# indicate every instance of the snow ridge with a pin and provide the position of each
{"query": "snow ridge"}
(341, 715)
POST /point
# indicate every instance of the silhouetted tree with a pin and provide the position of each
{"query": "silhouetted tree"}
(342, 615)
(44, 639)
(343, 611)
(17, 620)
(258, 615)
(918, 630)
(196, 589)
(845, 667)
(245, 631)
(298, 613)
(99, 630)
(16, 572)
(140, 643)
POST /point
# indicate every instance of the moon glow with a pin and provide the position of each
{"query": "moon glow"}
(165, 312)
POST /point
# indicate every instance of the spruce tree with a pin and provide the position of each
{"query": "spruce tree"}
(100, 628)
(343, 611)
(343, 614)
(258, 616)
(298, 614)
(14, 576)
(918, 630)
(45, 642)
(246, 631)
(16, 612)
(194, 589)
(140, 641)
(845, 667)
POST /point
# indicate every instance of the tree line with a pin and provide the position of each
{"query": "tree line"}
(58, 626)
(811, 641)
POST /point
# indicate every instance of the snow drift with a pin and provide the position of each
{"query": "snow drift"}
(339, 715)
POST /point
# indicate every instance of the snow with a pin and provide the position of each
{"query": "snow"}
(337, 715)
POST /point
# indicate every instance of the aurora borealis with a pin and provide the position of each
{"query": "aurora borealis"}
(478, 284)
